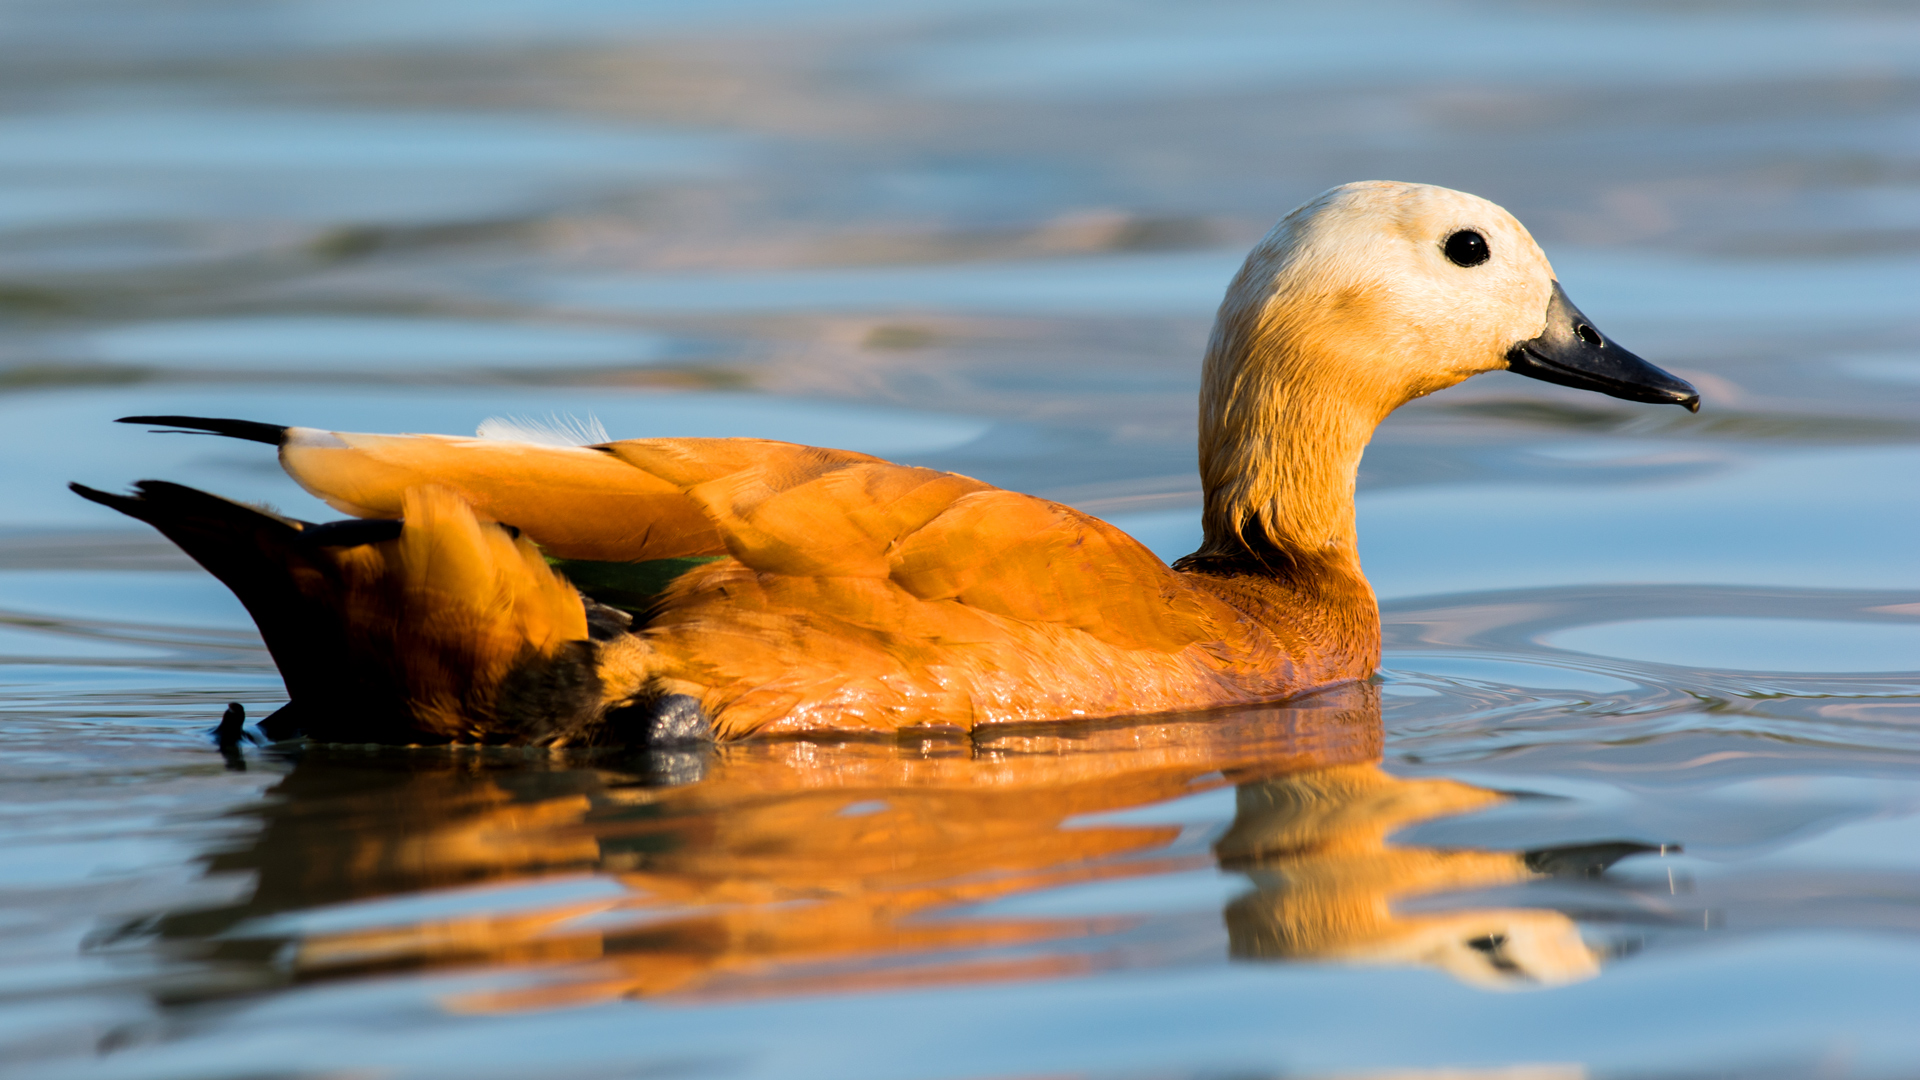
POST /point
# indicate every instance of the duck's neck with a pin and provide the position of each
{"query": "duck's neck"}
(1280, 447)
(1278, 459)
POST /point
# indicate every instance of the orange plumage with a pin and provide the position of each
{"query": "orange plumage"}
(853, 595)
(774, 588)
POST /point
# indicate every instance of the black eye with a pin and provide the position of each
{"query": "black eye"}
(1467, 248)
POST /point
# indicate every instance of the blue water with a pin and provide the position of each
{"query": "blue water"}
(1637, 792)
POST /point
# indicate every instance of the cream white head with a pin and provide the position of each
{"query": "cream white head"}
(1367, 297)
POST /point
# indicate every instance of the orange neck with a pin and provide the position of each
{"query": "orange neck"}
(1279, 463)
(1280, 452)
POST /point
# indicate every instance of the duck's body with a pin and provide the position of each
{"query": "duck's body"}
(810, 590)
(776, 588)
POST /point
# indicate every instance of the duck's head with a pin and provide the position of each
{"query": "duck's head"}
(1369, 296)
(1389, 292)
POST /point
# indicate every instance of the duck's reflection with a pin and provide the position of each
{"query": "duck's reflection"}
(793, 867)
(1315, 846)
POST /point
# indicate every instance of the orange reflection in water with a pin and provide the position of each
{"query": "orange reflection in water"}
(796, 867)
(1315, 846)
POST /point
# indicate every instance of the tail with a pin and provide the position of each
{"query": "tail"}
(435, 628)
(292, 589)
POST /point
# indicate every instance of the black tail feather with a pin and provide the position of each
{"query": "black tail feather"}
(334, 624)
(160, 502)
(251, 430)
(294, 592)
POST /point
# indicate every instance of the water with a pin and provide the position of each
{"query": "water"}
(1635, 794)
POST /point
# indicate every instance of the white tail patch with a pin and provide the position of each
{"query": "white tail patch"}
(555, 430)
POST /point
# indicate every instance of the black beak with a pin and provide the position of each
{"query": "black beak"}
(1572, 353)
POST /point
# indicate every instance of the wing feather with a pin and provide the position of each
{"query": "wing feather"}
(1026, 558)
(575, 502)
(780, 508)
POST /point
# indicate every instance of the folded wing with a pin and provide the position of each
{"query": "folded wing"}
(781, 508)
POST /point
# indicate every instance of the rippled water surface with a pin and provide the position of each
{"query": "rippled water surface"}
(1637, 792)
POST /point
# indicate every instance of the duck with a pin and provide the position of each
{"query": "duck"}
(663, 591)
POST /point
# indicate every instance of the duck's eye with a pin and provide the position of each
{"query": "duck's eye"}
(1467, 248)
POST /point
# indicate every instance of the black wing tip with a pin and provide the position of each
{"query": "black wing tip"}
(250, 430)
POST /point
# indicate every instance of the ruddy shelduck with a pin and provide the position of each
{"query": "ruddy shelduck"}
(651, 591)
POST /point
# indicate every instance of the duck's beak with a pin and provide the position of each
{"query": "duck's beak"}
(1572, 353)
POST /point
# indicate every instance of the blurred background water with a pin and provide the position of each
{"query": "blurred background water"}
(1645, 741)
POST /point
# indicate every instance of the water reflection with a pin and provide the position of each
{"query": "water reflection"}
(791, 867)
(1315, 846)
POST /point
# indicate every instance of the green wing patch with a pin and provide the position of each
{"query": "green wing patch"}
(630, 586)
